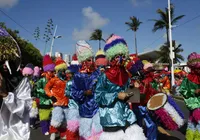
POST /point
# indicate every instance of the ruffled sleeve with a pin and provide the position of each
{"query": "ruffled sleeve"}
(76, 93)
(48, 87)
(68, 89)
(187, 89)
(40, 88)
(103, 95)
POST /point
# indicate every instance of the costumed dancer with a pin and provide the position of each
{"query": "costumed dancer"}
(100, 60)
(117, 119)
(190, 89)
(165, 84)
(14, 114)
(55, 89)
(45, 102)
(82, 91)
(143, 81)
(73, 115)
(28, 71)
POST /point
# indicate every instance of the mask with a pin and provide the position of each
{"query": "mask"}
(61, 74)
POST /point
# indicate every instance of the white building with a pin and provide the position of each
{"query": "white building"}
(67, 58)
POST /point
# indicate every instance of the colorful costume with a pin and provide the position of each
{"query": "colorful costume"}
(55, 89)
(28, 72)
(190, 89)
(147, 91)
(117, 119)
(82, 91)
(73, 115)
(45, 103)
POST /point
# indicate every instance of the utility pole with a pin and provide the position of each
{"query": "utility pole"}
(53, 41)
(171, 47)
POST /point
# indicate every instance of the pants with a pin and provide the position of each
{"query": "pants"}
(90, 128)
(73, 124)
(44, 116)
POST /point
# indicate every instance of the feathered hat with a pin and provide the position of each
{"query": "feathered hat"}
(115, 45)
(100, 58)
(60, 64)
(194, 60)
(83, 50)
(48, 64)
(28, 69)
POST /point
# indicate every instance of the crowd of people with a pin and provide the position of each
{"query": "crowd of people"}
(91, 98)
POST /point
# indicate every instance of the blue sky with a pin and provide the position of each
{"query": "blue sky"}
(77, 18)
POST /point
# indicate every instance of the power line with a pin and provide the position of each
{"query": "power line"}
(18, 23)
(188, 21)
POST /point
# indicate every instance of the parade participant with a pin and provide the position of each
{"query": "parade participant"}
(82, 91)
(190, 89)
(164, 81)
(144, 83)
(73, 115)
(45, 102)
(100, 60)
(55, 89)
(117, 119)
(36, 74)
(16, 93)
(28, 71)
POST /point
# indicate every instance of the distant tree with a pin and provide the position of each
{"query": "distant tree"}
(97, 35)
(165, 51)
(134, 26)
(48, 32)
(163, 22)
(37, 33)
(30, 54)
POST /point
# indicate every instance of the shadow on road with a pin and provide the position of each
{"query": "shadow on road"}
(166, 137)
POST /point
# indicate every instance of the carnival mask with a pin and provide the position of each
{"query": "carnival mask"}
(118, 60)
(61, 74)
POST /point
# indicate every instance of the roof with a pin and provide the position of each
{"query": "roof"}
(152, 55)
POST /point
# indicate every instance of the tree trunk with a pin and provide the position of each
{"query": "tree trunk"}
(135, 44)
(99, 44)
(45, 48)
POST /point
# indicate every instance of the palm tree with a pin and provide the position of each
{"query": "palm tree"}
(165, 51)
(163, 22)
(97, 35)
(134, 26)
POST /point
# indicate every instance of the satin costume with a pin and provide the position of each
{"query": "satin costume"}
(192, 101)
(56, 88)
(73, 115)
(114, 113)
(90, 127)
(45, 104)
(14, 115)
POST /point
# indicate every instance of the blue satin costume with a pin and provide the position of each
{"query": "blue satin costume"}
(113, 112)
(81, 83)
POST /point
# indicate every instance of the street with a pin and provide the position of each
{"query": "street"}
(172, 135)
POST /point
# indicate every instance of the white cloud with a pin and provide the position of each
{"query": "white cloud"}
(140, 2)
(8, 3)
(93, 21)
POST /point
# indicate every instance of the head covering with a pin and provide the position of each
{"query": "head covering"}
(147, 65)
(115, 45)
(36, 71)
(48, 64)
(74, 60)
(28, 69)
(194, 60)
(83, 50)
(60, 64)
(100, 58)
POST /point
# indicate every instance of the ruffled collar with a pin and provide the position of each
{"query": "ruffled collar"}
(193, 77)
(117, 75)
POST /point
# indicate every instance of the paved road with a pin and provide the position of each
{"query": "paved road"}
(174, 135)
